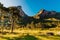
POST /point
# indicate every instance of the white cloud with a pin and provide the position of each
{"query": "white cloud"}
(8, 3)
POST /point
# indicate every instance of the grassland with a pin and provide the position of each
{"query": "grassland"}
(19, 34)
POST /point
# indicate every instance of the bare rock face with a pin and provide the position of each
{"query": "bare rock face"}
(47, 14)
(21, 12)
(18, 10)
(37, 16)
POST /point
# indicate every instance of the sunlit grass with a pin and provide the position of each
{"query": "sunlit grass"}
(21, 33)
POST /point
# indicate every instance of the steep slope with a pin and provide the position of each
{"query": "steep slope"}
(44, 14)
(43, 19)
(48, 18)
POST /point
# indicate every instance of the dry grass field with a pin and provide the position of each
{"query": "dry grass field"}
(19, 34)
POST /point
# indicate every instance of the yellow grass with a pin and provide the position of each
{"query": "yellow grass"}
(34, 32)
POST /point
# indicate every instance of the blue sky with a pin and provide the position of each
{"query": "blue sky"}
(31, 7)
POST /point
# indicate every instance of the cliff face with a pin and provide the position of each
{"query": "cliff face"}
(16, 16)
(47, 14)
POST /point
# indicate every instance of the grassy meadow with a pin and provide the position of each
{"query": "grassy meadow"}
(29, 34)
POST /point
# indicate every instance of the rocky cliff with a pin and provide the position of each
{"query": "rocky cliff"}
(43, 19)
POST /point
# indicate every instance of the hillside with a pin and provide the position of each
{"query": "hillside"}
(18, 18)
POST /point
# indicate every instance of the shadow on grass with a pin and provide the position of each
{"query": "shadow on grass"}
(27, 37)
(55, 37)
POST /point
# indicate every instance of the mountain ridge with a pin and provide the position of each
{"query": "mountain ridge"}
(37, 21)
